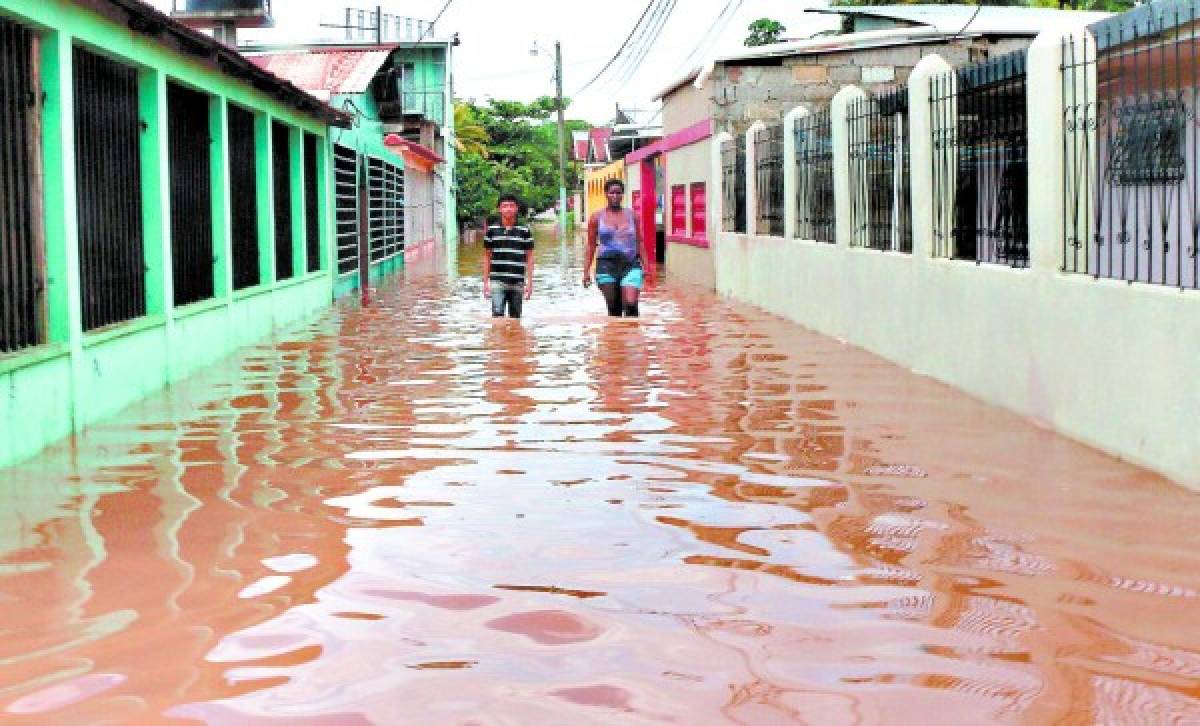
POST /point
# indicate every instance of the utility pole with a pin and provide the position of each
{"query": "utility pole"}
(562, 145)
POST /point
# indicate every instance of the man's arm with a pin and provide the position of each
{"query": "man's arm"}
(589, 251)
(487, 272)
(528, 273)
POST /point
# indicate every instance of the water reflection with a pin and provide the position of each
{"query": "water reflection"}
(410, 511)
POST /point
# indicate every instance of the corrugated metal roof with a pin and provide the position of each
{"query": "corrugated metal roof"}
(327, 72)
(933, 23)
(990, 20)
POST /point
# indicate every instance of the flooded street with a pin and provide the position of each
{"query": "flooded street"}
(407, 513)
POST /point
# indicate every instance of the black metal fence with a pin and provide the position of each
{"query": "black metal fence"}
(1130, 178)
(385, 211)
(189, 158)
(346, 212)
(108, 158)
(814, 177)
(22, 261)
(243, 189)
(281, 180)
(733, 184)
(980, 166)
(768, 171)
(879, 174)
(312, 203)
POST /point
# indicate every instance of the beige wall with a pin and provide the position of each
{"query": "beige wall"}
(685, 106)
(691, 265)
(1110, 363)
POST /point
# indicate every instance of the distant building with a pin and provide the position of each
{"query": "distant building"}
(399, 158)
(601, 148)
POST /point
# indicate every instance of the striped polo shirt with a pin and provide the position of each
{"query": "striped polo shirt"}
(508, 246)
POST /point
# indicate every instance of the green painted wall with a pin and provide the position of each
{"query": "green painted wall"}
(75, 379)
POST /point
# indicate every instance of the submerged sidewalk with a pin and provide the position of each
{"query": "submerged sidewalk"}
(409, 513)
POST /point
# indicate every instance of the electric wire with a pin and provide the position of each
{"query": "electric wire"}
(621, 49)
(636, 45)
(636, 63)
(714, 33)
(430, 26)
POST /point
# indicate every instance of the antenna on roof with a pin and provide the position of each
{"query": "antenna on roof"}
(376, 26)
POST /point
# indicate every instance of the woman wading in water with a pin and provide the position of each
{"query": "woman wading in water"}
(614, 230)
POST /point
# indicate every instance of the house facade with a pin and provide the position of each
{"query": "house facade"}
(167, 202)
(876, 50)
(395, 166)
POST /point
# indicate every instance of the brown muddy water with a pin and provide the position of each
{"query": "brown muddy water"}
(407, 513)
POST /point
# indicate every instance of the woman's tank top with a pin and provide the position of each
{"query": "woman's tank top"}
(620, 240)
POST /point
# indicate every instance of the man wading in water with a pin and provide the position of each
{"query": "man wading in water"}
(507, 261)
(619, 269)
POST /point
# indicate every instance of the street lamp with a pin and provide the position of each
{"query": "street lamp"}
(537, 49)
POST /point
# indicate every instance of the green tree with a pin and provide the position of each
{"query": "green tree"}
(764, 31)
(470, 137)
(521, 158)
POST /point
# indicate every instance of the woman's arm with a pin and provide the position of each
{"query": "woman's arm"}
(637, 232)
(589, 252)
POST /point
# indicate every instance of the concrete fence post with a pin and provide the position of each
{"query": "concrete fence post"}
(920, 144)
(716, 194)
(752, 179)
(840, 128)
(789, 169)
(1047, 153)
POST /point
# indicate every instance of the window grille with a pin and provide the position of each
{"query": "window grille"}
(1130, 178)
(768, 170)
(243, 191)
(346, 213)
(281, 178)
(312, 202)
(385, 194)
(108, 164)
(733, 185)
(189, 155)
(980, 175)
(22, 254)
(880, 198)
(814, 177)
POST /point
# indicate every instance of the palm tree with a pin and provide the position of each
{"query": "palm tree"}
(470, 137)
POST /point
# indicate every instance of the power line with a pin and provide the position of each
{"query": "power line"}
(638, 41)
(649, 44)
(624, 43)
(429, 28)
(715, 31)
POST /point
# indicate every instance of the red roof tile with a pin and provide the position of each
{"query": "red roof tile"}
(324, 73)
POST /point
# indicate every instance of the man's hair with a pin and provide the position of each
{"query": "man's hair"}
(508, 198)
(609, 184)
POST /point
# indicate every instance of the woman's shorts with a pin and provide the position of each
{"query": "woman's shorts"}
(610, 270)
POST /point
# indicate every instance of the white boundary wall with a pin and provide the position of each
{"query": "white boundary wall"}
(1113, 364)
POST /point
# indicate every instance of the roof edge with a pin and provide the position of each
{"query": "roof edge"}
(159, 27)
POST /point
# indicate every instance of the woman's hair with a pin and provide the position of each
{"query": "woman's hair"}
(613, 182)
